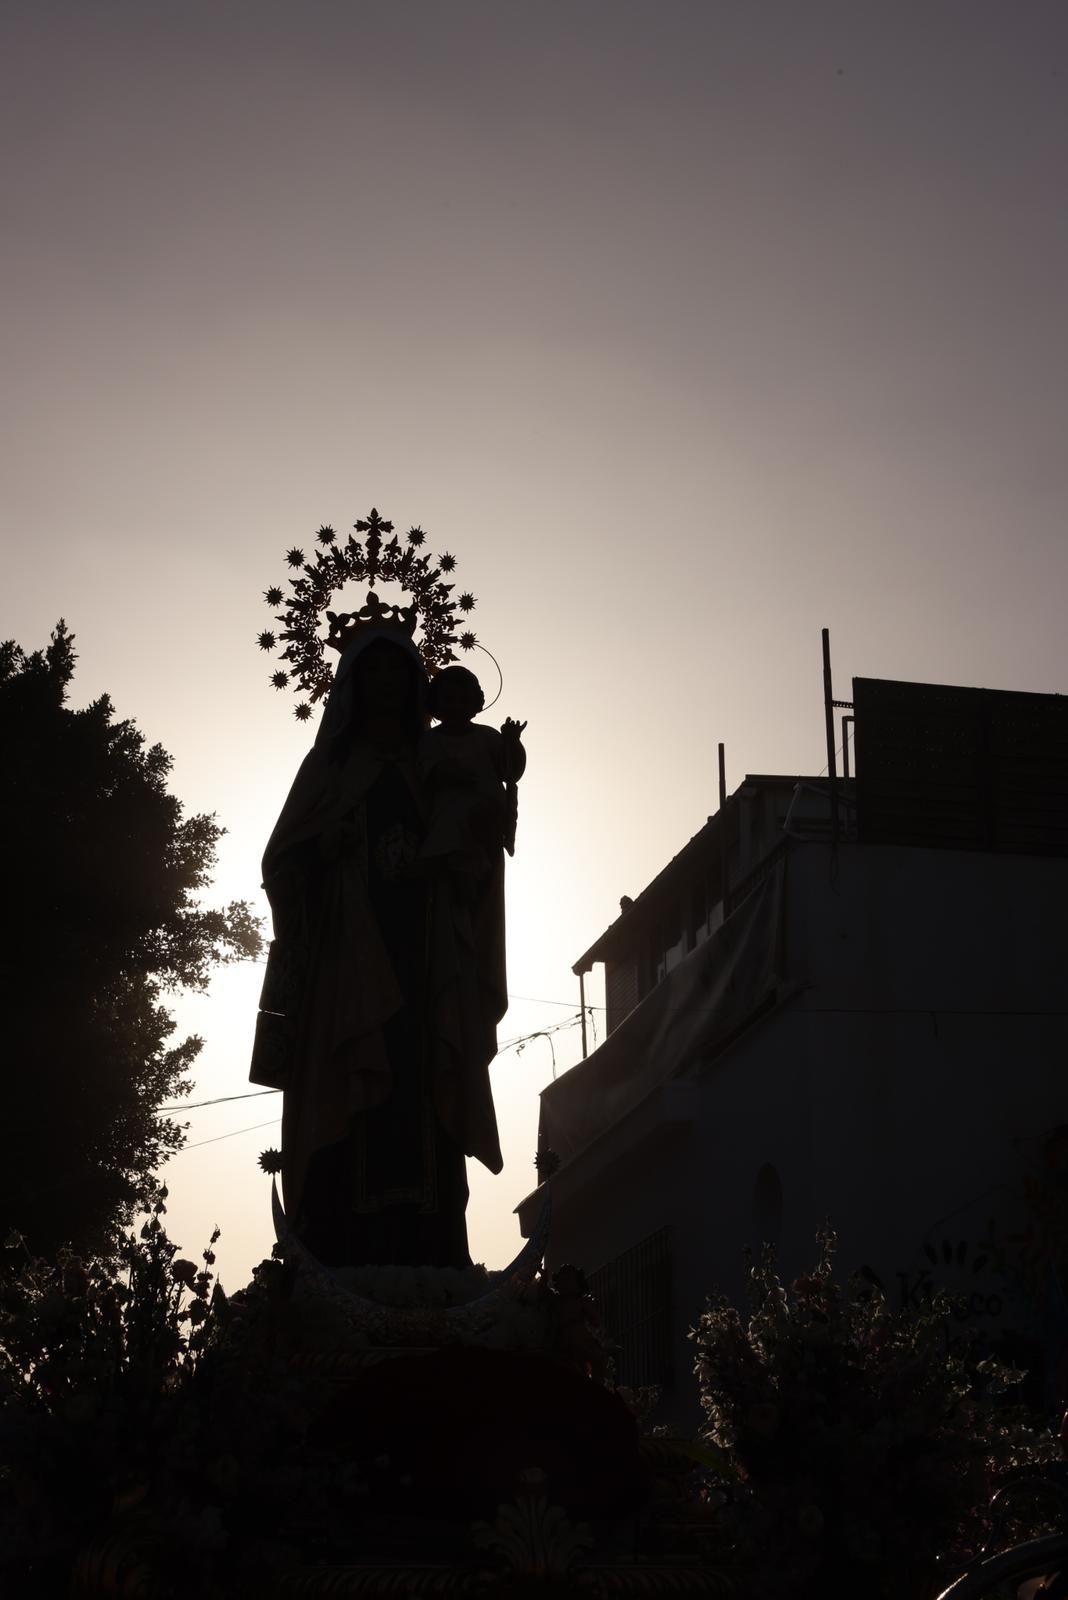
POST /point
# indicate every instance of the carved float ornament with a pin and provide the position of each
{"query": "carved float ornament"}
(380, 557)
(509, 1281)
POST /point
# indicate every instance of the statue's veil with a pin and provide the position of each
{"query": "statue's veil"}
(338, 713)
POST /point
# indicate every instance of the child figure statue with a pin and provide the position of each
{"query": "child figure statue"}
(471, 772)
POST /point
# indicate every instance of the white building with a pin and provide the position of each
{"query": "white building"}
(874, 1034)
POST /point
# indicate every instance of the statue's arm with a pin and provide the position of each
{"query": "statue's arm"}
(287, 882)
(513, 756)
(291, 861)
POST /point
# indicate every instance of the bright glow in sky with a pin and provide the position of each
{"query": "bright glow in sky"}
(690, 328)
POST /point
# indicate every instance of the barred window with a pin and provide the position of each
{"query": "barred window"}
(633, 1295)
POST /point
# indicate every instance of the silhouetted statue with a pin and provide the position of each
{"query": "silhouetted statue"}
(386, 980)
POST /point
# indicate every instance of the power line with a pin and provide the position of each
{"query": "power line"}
(88, 1177)
(531, 999)
(257, 1094)
(222, 1099)
(273, 1122)
(539, 1033)
(219, 1136)
(827, 764)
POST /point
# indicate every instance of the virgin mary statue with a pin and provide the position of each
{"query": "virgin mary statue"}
(384, 987)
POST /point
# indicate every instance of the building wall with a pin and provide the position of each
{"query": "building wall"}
(900, 1092)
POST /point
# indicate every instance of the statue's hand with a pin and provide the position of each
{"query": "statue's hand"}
(514, 756)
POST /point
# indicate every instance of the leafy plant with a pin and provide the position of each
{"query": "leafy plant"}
(866, 1452)
(97, 1361)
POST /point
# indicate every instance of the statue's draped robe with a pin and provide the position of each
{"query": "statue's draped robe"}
(392, 987)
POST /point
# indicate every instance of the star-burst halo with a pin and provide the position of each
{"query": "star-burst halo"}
(380, 557)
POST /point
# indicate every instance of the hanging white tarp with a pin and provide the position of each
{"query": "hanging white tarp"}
(690, 1015)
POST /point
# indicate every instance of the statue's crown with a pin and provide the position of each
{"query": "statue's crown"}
(348, 625)
(378, 558)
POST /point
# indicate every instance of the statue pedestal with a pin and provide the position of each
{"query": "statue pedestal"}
(338, 1463)
(453, 1441)
(511, 1316)
(455, 1432)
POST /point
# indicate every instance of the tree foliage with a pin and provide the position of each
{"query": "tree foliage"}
(103, 876)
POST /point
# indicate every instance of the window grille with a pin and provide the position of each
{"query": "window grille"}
(633, 1295)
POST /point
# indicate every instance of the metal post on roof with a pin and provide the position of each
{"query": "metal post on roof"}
(724, 863)
(828, 709)
(847, 723)
(582, 1011)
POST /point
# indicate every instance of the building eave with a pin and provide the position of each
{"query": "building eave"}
(620, 932)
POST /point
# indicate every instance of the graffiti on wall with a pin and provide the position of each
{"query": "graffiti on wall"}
(965, 1270)
(970, 1270)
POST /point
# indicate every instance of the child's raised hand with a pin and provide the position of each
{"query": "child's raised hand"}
(513, 730)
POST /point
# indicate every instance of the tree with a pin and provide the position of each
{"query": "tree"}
(101, 918)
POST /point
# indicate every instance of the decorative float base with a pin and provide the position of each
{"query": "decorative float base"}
(456, 1446)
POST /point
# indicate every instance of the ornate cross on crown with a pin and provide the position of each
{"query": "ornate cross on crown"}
(379, 558)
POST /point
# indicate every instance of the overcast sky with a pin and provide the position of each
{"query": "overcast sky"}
(690, 328)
